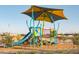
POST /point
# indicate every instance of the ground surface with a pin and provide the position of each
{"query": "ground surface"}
(39, 50)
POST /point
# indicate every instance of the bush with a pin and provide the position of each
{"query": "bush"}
(76, 39)
(7, 41)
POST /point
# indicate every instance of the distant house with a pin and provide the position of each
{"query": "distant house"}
(2, 44)
(1, 37)
(60, 41)
(68, 41)
(14, 38)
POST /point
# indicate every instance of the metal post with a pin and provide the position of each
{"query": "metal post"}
(41, 43)
(41, 37)
(33, 26)
(55, 32)
(58, 28)
(50, 31)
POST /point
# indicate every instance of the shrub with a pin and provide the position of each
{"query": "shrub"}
(76, 39)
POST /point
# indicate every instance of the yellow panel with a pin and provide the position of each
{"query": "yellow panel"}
(57, 12)
(44, 17)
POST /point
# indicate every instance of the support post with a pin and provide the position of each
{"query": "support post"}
(55, 32)
(33, 27)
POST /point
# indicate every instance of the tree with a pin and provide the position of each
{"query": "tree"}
(76, 39)
(8, 40)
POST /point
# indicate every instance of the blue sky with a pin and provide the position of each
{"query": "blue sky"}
(11, 19)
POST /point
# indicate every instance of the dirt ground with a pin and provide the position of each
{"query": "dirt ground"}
(40, 50)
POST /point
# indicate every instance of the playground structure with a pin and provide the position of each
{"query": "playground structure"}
(37, 33)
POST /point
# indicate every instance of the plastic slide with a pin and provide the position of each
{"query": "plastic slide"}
(25, 38)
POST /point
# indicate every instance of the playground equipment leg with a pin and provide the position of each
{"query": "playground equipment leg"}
(30, 42)
(41, 43)
(50, 40)
(55, 41)
(36, 41)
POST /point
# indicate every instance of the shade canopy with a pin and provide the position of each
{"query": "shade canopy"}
(45, 14)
